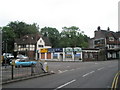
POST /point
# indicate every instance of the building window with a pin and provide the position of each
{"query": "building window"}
(40, 41)
(111, 38)
(86, 55)
(23, 46)
(111, 46)
(55, 56)
(68, 55)
(40, 45)
(91, 55)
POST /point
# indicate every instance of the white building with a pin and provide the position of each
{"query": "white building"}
(30, 45)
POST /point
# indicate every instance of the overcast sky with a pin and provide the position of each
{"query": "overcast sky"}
(85, 14)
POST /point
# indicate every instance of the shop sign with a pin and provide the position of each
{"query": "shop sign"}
(55, 50)
(68, 49)
(77, 49)
(44, 50)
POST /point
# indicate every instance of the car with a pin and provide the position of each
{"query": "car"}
(23, 63)
(20, 56)
(6, 61)
(8, 55)
(7, 58)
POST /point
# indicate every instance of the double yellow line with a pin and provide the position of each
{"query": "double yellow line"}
(115, 82)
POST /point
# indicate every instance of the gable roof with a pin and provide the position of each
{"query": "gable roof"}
(32, 39)
(106, 33)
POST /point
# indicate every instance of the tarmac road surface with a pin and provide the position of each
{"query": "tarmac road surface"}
(73, 75)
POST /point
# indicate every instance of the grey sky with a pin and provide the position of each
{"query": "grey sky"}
(85, 14)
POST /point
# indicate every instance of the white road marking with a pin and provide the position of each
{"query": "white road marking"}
(68, 66)
(100, 68)
(65, 71)
(65, 84)
(96, 63)
(59, 71)
(88, 73)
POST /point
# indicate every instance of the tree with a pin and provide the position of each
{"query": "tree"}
(52, 34)
(73, 37)
(15, 30)
(8, 38)
(21, 28)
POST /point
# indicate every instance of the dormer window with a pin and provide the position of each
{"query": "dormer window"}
(111, 38)
(40, 41)
(119, 38)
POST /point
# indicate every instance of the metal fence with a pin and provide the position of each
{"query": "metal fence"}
(11, 72)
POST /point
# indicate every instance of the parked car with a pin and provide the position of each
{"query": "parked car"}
(23, 63)
(8, 55)
(20, 56)
(7, 58)
(6, 61)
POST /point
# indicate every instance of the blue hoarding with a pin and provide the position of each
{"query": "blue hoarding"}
(55, 49)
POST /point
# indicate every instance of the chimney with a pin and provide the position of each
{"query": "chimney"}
(108, 29)
(98, 28)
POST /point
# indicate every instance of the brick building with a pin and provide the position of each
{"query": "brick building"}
(108, 41)
(90, 54)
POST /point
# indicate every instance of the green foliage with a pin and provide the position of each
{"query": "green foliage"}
(73, 37)
(69, 37)
(52, 34)
(15, 30)
(21, 28)
(8, 37)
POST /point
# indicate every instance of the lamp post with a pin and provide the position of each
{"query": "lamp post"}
(6, 52)
(73, 53)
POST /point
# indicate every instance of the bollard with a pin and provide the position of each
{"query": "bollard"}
(32, 71)
(12, 73)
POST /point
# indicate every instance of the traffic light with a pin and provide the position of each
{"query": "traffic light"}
(3, 46)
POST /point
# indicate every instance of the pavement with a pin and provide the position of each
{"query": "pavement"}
(26, 78)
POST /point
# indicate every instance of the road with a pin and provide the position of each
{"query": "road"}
(73, 75)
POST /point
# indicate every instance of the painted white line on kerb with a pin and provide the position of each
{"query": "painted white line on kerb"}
(59, 71)
(65, 71)
(65, 84)
(100, 68)
(88, 73)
